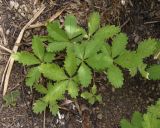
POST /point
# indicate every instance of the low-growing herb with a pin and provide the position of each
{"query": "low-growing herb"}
(67, 57)
(151, 119)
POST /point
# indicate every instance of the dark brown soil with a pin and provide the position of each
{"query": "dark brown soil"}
(140, 19)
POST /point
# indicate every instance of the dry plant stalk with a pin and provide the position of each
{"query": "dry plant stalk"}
(52, 18)
(9, 65)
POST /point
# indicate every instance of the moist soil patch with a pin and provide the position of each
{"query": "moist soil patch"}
(139, 19)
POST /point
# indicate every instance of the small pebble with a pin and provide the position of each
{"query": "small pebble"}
(14, 4)
(123, 2)
(7, 32)
(100, 116)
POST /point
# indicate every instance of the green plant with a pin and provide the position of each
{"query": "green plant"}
(92, 96)
(151, 119)
(11, 98)
(154, 70)
(66, 59)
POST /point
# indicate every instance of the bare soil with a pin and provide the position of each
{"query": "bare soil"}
(140, 19)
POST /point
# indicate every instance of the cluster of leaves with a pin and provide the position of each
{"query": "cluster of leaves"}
(151, 119)
(11, 98)
(154, 70)
(68, 56)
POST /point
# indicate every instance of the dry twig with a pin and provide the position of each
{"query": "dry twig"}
(41, 24)
(3, 36)
(9, 65)
(5, 49)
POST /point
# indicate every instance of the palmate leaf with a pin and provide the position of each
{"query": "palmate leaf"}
(106, 32)
(39, 106)
(71, 27)
(72, 89)
(154, 72)
(56, 32)
(25, 58)
(32, 76)
(146, 48)
(70, 63)
(115, 76)
(85, 75)
(56, 46)
(100, 61)
(119, 44)
(93, 23)
(38, 47)
(92, 98)
(52, 71)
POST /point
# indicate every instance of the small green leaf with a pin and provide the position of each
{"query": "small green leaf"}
(71, 27)
(154, 72)
(56, 91)
(38, 47)
(49, 57)
(157, 51)
(137, 120)
(92, 100)
(52, 71)
(32, 76)
(142, 68)
(115, 76)
(100, 61)
(25, 58)
(92, 47)
(70, 63)
(125, 124)
(85, 75)
(73, 89)
(11, 98)
(99, 98)
(56, 32)
(40, 88)
(129, 60)
(106, 32)
(39, 106)
(133, 71)
(119, 44)
(86, 95)
(106, 49)
(79, 50)
(94, 89)
(54, 108)
(93, 22)
(56, 46)
(146, 48)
